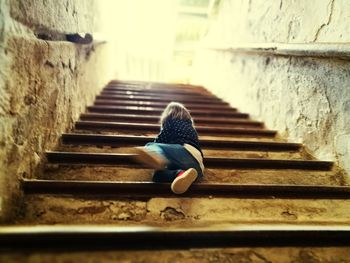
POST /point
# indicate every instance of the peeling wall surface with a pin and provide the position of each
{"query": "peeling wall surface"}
(44, 85)
(306, 99)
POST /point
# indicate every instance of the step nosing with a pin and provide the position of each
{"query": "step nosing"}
(156, 128)
(219, 143)
(199, 127)
(152, 137)
(151, 110)
(197, 119)
(128, 159)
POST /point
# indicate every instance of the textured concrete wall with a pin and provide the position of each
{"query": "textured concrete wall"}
(44, 85)
(306, 99)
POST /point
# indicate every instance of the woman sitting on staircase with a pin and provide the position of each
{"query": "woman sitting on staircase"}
(175, 154)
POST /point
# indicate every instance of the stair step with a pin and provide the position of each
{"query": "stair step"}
(210, 162)
(157, 105)
(155, 119)
(128, 140)
(194, 255)
(222, 153)
(172, 96)
(152, 98)
(158, 112)
(145, 237)
(180, 211)
(152, 189)
(211, 175)
(153, 85)
(243, 137)
(152, 90)
(202, 130)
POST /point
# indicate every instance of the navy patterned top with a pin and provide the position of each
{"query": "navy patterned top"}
(176, 131)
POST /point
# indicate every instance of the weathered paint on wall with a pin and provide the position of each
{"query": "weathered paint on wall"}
(306, 99)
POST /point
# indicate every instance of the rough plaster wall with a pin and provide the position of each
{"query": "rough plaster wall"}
(44, 86)
(306, 99)
(292, 21)
(55, 16)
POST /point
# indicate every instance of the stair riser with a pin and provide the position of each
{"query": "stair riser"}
(169, 87)
(222, 153)
(164, 100)
(163, 97)
(140, 141)
(193, 107)
(156, 241)
(112, 126)
(156, 91)
(160, 94)
(155, 120)
(210, 162)
(158, 112)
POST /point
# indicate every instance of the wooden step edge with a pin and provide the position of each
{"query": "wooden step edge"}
(158, 111)
(149, 98)
(160, 92)
(160, 95)
(191, 107)
(163, 104)
(150, 87)
(147, 127)
(151, 189)
(162, 87)
(152, 126)
(127, 140)
(108, 237)
(197, 120)
(158, 85)
(155, 90)
(163, 97)
(209, 162)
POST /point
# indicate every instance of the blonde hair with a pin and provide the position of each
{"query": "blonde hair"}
(175, 110)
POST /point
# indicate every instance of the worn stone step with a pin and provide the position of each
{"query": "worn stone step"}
(158, 105)
(222, 153)
(193, 255)
(129, 140)
(143, 237)
(152, 189)
(202, 130)
(155, 119)
(127, 159)
(181, 211)
(211, 175)
(152, 98)
(158, 111)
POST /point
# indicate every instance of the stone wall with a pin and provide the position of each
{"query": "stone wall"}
(44, 85)
(306, 99)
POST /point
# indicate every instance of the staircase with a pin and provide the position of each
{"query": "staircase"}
(262, 199)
